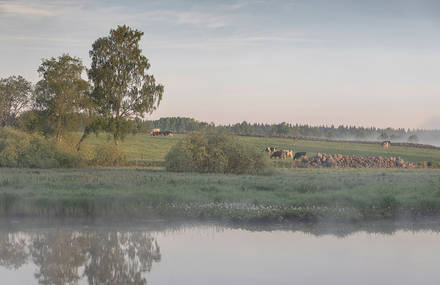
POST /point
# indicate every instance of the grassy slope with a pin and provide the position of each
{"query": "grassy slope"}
(140, 147)
(145, 147)
(299, 194)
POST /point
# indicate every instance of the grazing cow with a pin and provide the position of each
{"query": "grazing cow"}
(155, 132)
(299, 155)
(278, 153)
(168, 133)
(386, 144)
(270, 149)
(288, 153)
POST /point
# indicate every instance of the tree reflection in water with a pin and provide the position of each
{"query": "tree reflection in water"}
(13, 250)
(67, 257)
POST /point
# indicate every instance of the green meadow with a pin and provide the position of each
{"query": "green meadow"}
(147, 148)
(285, 194)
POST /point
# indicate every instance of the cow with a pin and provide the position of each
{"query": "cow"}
(386, 144)
(167, 133)
(299, 155)
(288, 153)
(278, 153)
(155, 132)
(270, 149)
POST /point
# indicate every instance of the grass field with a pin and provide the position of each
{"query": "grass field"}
(294, 194)
(148, 148)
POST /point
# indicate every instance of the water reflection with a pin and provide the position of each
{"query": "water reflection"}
(13, 250)
(209, 253)
(67, 257)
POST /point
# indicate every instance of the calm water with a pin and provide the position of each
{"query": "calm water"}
(156, 253)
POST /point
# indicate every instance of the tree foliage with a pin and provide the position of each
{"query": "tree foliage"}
(215, 153)
(61, 92)
(19, 149)
(122, 88)
(15, 95)
(413, 139)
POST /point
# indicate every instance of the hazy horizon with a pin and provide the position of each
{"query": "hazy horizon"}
(363, 63)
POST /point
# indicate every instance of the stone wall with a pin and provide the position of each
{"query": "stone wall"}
(353, 161)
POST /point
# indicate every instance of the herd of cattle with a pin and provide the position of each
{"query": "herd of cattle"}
(158, 132)
(288, 153)
(284, 153)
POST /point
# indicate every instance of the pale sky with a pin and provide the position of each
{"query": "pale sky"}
(365, 63)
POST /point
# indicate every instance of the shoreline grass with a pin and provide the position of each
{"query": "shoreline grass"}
(294, 195)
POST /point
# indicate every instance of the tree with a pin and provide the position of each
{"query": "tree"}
(15, 95)
(383, 136)
(122, 88)
(61, 92)
(413, 139)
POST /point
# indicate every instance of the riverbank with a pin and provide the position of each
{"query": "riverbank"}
(306, 195)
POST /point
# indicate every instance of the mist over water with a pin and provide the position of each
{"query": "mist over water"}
(220, 254)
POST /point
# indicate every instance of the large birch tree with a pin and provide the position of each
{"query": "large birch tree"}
(122, 88)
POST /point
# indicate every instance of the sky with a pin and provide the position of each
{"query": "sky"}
(320, 62)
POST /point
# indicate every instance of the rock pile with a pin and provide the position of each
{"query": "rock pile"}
(353, 161)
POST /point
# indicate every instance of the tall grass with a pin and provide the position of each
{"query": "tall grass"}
(300, 194)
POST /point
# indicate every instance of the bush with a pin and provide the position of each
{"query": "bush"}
(215, 153)
(109, 154)
(18, 149)
(413, 139)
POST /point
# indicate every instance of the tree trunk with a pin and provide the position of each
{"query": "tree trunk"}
(84, 136)
(116, 135)
(58, 134)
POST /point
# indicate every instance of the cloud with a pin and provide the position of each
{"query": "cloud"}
(22, 9)
(195, 18)
(232, 42)
(236, 6)
(60, 40)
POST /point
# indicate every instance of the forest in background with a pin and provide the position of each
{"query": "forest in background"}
(183, 125)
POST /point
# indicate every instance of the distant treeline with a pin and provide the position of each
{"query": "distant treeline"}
(182, 125)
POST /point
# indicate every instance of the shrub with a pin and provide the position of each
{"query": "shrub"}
(109, 154)
(413, 139)
(18, 149)
(67, 151)
(215, 153)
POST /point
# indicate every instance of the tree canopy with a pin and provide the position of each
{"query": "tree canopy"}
(15, 94)
(122, 88)
(61, 92)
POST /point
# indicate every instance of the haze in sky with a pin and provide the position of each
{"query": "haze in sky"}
(367, 63)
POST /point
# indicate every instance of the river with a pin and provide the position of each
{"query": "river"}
(156, 252)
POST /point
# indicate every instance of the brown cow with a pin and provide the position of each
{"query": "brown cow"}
(386, 144)
(288, 153)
